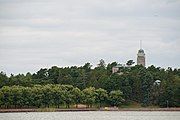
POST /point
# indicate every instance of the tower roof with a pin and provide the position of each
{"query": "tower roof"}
(141, 51)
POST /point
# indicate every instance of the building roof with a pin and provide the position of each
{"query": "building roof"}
(141, 51)
(119, 65)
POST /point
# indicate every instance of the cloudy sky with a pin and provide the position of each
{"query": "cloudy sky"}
(43, 33)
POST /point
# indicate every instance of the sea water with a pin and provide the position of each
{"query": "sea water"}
(93, 115)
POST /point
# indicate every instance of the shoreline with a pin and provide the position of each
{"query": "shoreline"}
(85, 109)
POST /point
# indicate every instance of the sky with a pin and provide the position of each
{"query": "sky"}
(38, 34)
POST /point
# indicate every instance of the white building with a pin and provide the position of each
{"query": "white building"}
(141, 58)
(116, 68)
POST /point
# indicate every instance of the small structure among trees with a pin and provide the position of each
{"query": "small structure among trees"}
(119, 67)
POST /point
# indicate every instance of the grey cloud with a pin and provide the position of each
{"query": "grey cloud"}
(42, 33)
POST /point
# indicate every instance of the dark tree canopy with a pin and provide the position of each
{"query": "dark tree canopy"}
(58, 86)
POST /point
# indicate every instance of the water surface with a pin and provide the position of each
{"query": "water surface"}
(94, 115)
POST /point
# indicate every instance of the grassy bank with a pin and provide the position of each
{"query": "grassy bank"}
(87, 109)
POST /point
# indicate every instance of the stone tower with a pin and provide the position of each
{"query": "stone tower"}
(141, 56)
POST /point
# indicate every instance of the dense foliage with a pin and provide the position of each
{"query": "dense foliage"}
(92, 86)
(56, 96)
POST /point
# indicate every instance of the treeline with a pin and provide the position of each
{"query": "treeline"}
(137, 83)
(57, 96)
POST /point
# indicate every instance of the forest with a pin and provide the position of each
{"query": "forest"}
(98, 86)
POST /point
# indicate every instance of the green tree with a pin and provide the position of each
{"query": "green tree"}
(53, 74)
(47, 98)
(101, 96)
(37, 95)
(68, 98)
(3, 79)
(87, 67)
(77, 95)
(17, 96)
(6, 98)
(126, 88)
(26, 96)
(166, 98)
(130, 62)
(146, 86)
(58, 95)
(102, 64)
(89, 96)
(115, 98)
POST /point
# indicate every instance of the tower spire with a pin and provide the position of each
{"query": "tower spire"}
(140, 44)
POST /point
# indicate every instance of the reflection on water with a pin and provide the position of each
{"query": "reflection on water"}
(94, 115)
